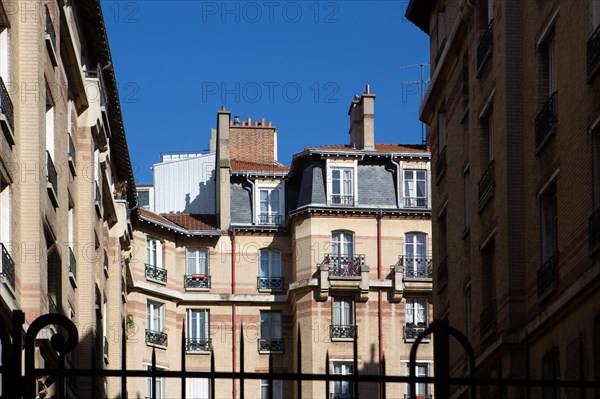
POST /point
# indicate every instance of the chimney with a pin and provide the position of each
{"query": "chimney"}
(362, 121)
(222, 166)
(212, 144)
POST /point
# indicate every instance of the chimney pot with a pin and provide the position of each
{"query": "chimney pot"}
(223, 107)
(255, 123)
(249, 122)
(230, 123)
(270, 124)
(262, 121)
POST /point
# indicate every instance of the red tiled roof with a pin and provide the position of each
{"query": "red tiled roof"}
(156, 217)
(237, 165)
(192, 221)
(378, 147)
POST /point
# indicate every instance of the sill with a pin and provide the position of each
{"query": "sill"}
(156, 345)
(156, 281)
(124, 297)
(546, 139)
(186, 288)
(72, 280)
(198, 352)
(10, 135)
(271, 352)
(423, 341)
(52, 194)
(106, 271)
(269, 291)
(342, 339)
(72, 166)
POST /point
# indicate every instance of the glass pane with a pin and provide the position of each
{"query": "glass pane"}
(335, 187)
(274, 197)
(275, 264)
(276, 325)
(264, 263)
(421, 189)
(265, 320)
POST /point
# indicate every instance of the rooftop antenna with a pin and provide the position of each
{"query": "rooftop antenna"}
(421, 82)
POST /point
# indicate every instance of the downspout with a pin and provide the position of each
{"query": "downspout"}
(253, 199)
(398, 190)
(233, 312)
(379, 303)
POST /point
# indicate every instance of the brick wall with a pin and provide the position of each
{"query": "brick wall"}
(253, 144)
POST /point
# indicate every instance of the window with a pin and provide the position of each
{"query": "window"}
(159, 387)
(487, 318)
(197, 388)
(4, 212)
(415, 188)
(416, 312)
(155, 316)
(421, 370)
(343, 389)
(415, 259)
(49, 123)
(144, 199)
(342, 325)
(153, 252)
(197, 261)
(549, 223)
(270, 332)
(277, 389)
(342, 245)
(270, 206)
(342, 186)
(270, 270)
(198, 331)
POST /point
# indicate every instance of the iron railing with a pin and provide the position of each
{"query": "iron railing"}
(338, 331)
(344, 265)
(547, 276)
(415, 267)
(198, 344)
(416, 202)
(442, 275)
(51, 174)
(411, 332)
(196, 281)
(440, 164)
(270, 283)
(594, 229)
(156, 273)
(7, 267)
(50, 28)
(72, 263)
(486, 44)
(269, 218)
(6, 106)
(593, 50)
(156, 338)
(440, 51)
(486, 186)
(418, 396)
(546, 121)
(270, 345)
(342, 200)
(487, 320)
(337, 395)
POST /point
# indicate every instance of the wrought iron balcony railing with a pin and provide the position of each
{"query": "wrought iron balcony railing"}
(198, 344)
(411, 332)
(416, 202)
(593, 51)
(442, 275)
(486, 186)
(6, 106)
(72, 263)
(270, 219)
(50, 28)
(156, 273)
(487, 320)
(440, 51)
(486, 44)
(156, 338)
(337, 395)
(415, 267)
(270, 283)
(545, 122)
(594, 229)
(51, 174)
(342, 200)
(440, 164)
(418, 396)
(548, 276)
(7, 267)
(270, 345)
(344, 265)
(338, 331)
(195, 281)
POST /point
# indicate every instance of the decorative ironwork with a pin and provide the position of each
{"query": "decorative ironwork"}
(198, 344)
(342, 200)
(50, 28)
(594, 229)
(486, 44)
(487, 320)
(270, 283)
(442, 275)
(418, 396)
(269, 218)
(440, 164)
(412, 332)
(72, 263)
(6, 106)
(440, 51)
(156, 273)
(195, 281)
(7, 267)
(416, 202)
(414, 267)
(270, 345)
(548, 276)
(593, 51)
(342, 331)
(545, 122)
(156, 338)
(486, 187)
(344, 265)
(341, 396)
(51, 174)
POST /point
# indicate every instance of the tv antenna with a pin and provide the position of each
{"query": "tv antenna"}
(421, 82)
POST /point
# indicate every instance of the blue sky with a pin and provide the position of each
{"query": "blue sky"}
(295, 63)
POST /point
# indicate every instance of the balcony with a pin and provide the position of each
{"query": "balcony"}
(7, 120)
(156, 338)
(270, 345)
(342, 266)
(545, 122)
(97, 200)
(594, 231)
(195, 281)
(198, 345)
(270, 219)
(157, 274)
(440, 165)
(72, 268)
(486, 187)
(72, 156)
(548, 277)
(415, 267)
(593, 52)
(411, 333)
(7, 267)
(337, 331)
(485, 45)
(50, 38)
(416, 202)
(418, 396)
(105, 349)
(341, 200)
(442, 275)
(270, 283)
(51, 180)
(487, 320)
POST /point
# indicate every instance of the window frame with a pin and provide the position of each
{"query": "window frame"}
(155, 311)
(202, 328)
(341, 367)
(419, 201)
(277, 389)
(157, 249)
(198, 267)
(344, 314)
(267, 254)
(160, 383)
(280, 212)
(410, 303)
(342, 165)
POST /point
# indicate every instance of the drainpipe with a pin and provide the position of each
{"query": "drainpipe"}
(398, 189)
(253, 199)
(379, 299)
(233, 311)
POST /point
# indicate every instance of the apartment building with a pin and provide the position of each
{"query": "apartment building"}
(241, 256)
(66, 182)
(513, 115)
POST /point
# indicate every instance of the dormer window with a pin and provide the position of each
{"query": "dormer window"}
(270, 204)
(341, 183)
